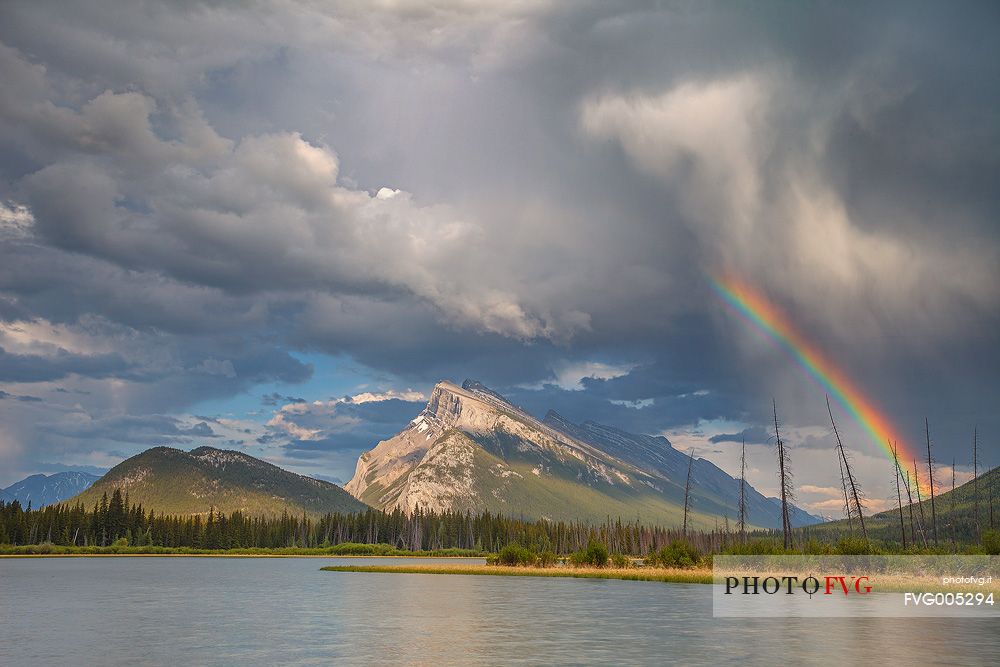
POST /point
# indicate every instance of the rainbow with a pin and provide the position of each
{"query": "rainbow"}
(766, 317)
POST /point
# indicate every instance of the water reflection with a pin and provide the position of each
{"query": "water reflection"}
(163, 611)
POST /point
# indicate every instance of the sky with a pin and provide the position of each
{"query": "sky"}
(274, 226)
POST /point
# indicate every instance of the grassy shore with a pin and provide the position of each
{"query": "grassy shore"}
(667, 575)
(884, 583)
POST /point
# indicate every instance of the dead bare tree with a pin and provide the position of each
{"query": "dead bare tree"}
(847, 500)
(687, 492)
(930, 476)
(858, 507)
(975, 481)
(993, 492)
(920, 504)
(899, 495)
(951, 518)
(785, 474)
(905, 476)
(743, 492)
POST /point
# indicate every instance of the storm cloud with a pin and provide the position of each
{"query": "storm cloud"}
(207, 203)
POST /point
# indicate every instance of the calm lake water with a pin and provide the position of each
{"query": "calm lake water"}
(227, 611)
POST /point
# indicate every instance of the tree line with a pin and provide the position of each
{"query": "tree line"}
(114, 520)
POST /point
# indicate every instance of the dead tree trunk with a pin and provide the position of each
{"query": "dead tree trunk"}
(975, 482)
(909, 500)
(847, 500)
(850, 476)
(930, 476)
(899, 496)
(785, 473)
(743, 493)
(687, 492)
(951, 520)
(905, 476)
(993, 490)
(920, 504)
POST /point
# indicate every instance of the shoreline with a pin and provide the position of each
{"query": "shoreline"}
(225, 555)
(672, 576)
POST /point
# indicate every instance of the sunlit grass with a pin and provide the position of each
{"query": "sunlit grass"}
(667, 575)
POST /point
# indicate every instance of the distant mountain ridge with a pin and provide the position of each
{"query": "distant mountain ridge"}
(470, 449)
(41, 490)
(718, 490)
(173, 481)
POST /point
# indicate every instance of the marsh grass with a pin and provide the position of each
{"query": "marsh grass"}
(884, 583)
(665, 575)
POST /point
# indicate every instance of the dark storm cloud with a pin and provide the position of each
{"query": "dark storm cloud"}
(146, 430)
(342, 428)
(274, 399)
(14, 397)
(192, 194)
(643, 400)
(352, 443)
(756, 435)
(36, 368)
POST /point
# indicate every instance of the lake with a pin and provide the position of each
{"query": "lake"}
(280, 611)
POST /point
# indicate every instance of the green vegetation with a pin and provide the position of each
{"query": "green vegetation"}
(679, 554)
(515, 554)
(115, 517)
(991, 542)
(620, 561)
(596, 555)
(115, 525)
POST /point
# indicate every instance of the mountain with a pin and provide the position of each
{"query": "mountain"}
(176, 482)
(471, 449)
(715, 490)
(42, 490)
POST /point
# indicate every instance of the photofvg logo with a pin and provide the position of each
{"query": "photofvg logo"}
(853, 586)
(790, 585)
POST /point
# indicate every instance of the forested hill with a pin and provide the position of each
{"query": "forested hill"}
(172, 481)
(953, 519)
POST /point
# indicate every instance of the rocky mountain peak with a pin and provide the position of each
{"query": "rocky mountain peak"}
(556, 420)
(481, 389)
(470, 449)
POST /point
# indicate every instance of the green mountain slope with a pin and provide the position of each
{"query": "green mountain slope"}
(958, 520)
(177, 482)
